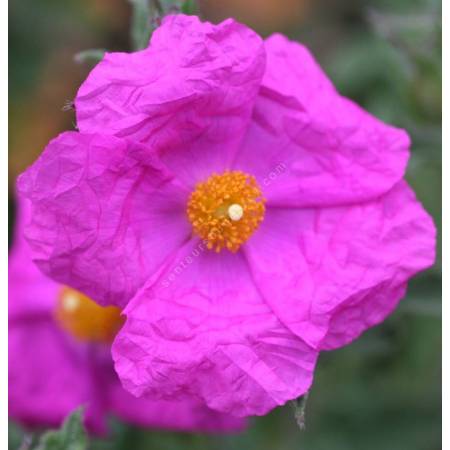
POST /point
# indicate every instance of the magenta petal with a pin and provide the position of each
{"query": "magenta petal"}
(202, 330)
(105, 214)
(190, 93)
(331, 273)
(47, 378)
(48, 375)
(308, 146)
(28, 290)
(51, 374)
(361, 311)
(189, 415)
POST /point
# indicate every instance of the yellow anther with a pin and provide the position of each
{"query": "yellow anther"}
(225, 210)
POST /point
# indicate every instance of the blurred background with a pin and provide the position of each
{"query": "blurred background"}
(383, 391)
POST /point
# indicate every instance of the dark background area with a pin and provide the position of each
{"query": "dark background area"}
(384, 390)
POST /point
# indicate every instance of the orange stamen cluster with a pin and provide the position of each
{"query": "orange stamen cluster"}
(226, 209)
(85, 320)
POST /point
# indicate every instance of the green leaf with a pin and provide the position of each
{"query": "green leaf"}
(16, 436)
(189, 7)
(91, 55)
(71, 436)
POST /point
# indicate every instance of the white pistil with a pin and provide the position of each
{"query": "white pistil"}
(235, 212)
(71, 302)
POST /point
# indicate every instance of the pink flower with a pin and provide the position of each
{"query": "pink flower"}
(244, 213)
(58, 361)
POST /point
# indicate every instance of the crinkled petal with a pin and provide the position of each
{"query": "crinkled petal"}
(202, 330)
(362, 311)
(105, 214)
(308, 146)
(189, 415)
(47, 377)
(331, 273)
(190, 93)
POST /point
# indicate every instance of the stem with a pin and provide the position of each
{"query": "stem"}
(158, 6)
(299, 406)
(26, 443)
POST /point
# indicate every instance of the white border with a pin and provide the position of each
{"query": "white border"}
(4, 226)
(445, 225)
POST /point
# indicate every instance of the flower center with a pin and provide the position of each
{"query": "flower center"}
(84, 319)
(226, 209)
